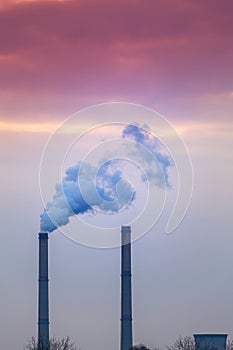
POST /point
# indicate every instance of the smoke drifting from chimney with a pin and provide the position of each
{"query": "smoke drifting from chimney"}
(110, 184)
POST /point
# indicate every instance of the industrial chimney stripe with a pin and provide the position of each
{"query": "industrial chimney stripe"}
(126, 273)
(44, 321)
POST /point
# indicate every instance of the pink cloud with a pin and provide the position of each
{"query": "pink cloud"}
(138, 49)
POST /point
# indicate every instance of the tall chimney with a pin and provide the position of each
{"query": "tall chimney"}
(43, 301)
(126, 293)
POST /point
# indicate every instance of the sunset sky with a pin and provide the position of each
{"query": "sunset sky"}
(173, 56)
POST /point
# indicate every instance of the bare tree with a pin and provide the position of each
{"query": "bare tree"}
(54, 344)
(140, 347)
(229, 345)
(186, 343)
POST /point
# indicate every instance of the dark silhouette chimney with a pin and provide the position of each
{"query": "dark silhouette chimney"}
(43, 296)
(126, 293)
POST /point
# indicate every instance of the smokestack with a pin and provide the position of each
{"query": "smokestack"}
(43, 302)
(126, 293)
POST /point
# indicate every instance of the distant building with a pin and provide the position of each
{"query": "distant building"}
(210, 341)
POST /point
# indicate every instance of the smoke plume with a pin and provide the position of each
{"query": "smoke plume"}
(110, 193)
(142, 136)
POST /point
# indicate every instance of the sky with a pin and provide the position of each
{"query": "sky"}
(172, 56)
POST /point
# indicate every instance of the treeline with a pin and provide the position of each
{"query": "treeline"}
(182, 343)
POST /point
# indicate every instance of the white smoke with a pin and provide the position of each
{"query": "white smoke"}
(110, 193)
